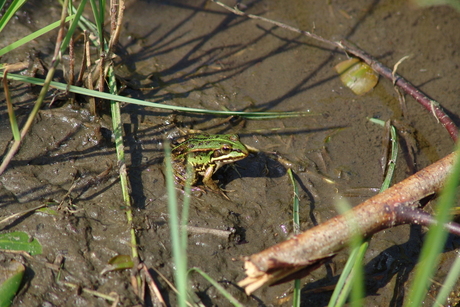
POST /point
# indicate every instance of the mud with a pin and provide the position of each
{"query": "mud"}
(195, 54)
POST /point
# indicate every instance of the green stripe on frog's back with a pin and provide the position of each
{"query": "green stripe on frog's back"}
(206, 142)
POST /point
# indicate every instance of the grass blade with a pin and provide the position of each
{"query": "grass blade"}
(221, 289)
(33, 36)
(449, 283)
(180, 258)
(435, 239)
(102, 95)
(354, 262)
(352, 277)
(73, 26)
(11, 115)
(296, 296)
(99, 12)
(12, 9)
(393, 154)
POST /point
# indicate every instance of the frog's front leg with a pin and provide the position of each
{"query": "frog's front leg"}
(208, 182)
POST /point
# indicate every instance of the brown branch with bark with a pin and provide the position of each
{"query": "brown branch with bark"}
(305, 252)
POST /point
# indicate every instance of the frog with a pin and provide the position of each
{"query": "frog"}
(205, 153)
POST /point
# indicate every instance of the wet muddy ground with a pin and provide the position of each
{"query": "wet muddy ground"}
(195, 54)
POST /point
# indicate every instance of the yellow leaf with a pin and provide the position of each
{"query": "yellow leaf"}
(357, 75)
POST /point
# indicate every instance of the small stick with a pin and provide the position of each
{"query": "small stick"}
(19, 214)
(83, 61)
(14, 251)
(211, 231)
(155, 294)
(116, 24)
(89, 82)
(112, 297)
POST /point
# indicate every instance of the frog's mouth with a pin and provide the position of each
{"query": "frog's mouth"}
(226, 160)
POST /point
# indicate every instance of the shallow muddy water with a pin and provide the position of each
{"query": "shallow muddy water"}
(196, 54)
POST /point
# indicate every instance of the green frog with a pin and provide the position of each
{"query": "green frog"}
(205, 153)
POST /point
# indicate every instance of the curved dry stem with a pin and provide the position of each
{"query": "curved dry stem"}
(431, 105)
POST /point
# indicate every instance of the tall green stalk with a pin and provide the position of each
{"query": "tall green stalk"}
(435, 238)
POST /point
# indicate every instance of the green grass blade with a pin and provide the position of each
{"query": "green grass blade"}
(296, 296)
(295, 204)
(180, 259)
(12, 9)
(343, 287)
(102, 95)
(32, 36)
(449, 283)
(11, 114)
(99, 13)
(73, 26)
(118, 134)
(352, 277)
(393, 154)
(2, 3)
(357, 286)
(87, 25)
(354, 262)
(221, 289)
(435, 239)
(393, 157)
(337, 296)
(185, 209)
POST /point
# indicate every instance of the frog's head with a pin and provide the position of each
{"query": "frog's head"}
(230, 149)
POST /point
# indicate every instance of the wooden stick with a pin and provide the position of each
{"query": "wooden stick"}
(310, 248)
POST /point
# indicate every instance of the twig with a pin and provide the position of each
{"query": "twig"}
(170, 284)
(19, 214)
(155, 294)
(431, 105)
(309, 249)
(112, 297)
(211, 231)
(116, 24)
(14, 251)
(237, 11)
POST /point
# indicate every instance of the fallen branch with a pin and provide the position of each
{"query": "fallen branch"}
(306, 251)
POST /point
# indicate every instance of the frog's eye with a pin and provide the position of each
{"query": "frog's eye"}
(225, 149)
